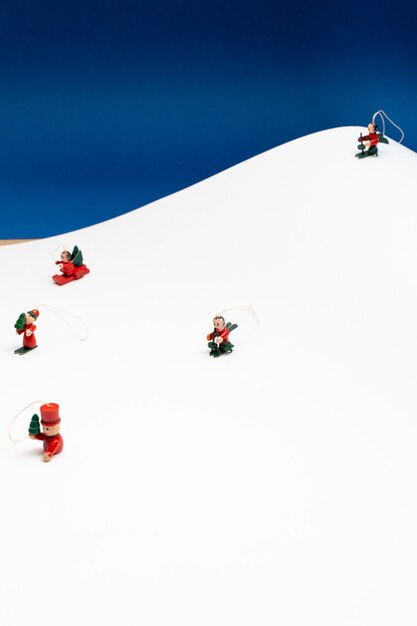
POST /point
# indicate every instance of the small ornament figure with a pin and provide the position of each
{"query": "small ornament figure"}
(219, 339)
(52, 441)
(25, 325)
(370, 141)
(71, 266)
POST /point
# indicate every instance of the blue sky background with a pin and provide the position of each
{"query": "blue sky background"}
(106, 106)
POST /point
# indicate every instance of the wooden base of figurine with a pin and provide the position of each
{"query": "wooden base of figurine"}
(367, 153)
(219, 350)
(24, 350)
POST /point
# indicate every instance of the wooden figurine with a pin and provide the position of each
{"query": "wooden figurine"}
(25, 326)
(219, 339)
(53, 443)
(71, 266)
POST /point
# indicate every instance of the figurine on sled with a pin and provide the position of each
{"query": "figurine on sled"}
(71, 266)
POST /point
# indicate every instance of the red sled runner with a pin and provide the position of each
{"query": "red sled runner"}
(71, 266)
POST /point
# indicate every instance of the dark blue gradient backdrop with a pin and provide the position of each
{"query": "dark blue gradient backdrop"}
(108, 105)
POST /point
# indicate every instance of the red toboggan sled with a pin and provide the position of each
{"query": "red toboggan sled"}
(79, 272)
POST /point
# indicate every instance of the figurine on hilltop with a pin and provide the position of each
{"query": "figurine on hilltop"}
(370, 141)
(52, 441)
(219, 339)
(25, 326)
(71, 266)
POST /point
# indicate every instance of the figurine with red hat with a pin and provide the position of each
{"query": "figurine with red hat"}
(25, 325)
(52, 441)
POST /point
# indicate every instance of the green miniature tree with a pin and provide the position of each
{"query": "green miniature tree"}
(34, 426)
(77, 256)
(21, 320)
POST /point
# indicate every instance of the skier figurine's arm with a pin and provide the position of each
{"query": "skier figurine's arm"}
(224, 336)
(372, 139)
(213, 336)
(369, 140)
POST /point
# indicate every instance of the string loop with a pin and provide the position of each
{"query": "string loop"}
(245, 307)
(54, 309)
(381, 114)
(12, 423)
(60, 245)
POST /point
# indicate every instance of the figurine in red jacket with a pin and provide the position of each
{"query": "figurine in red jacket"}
(65, 264)
(52, 441)
(222, 333)
(372, 139)
(28, 332)
(219, 339)
(72, 267)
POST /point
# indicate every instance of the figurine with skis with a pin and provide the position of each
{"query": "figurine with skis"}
(219, 339)
(370, 142)
(25, 326)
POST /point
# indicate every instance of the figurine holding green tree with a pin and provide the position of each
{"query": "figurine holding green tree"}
(25, 326)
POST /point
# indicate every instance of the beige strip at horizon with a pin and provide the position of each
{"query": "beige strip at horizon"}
(7, 242)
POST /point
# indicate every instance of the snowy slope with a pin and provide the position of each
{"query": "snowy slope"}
(275, 485)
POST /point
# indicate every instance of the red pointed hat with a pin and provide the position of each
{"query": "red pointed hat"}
(50, 414)
(34, 313)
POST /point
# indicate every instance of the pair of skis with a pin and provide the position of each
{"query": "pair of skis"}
(373, 150)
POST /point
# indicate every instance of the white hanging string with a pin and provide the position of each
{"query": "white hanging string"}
(60, 245)
(12, 423)
(381, 114)
(57, 311)
(245, 307)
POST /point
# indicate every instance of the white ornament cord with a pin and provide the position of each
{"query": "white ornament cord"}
(381, 114)
(52, 254)
(246, 307)
(56, 311)
(12, 422)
